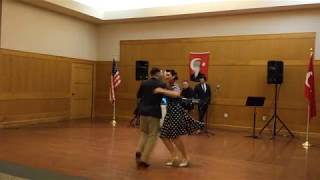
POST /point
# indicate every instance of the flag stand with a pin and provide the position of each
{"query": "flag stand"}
(114, 122)
(115, 81)
(306, 144)
(311, 98)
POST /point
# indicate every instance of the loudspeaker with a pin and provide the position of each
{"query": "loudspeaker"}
(142, 70)
(275, 72)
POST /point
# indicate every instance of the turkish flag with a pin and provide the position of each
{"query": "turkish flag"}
(198, 65)
(309, 90)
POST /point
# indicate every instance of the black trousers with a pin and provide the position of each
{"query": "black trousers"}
(202, 109)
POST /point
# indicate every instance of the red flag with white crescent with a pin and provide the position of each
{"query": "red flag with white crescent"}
(309, 89)
(198, 65)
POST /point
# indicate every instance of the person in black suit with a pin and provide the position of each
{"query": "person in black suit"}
(202, 91)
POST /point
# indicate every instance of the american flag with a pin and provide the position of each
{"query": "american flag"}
(115, 81)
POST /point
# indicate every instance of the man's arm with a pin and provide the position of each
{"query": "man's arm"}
(209, 93)
(139, 93)
(167, 92)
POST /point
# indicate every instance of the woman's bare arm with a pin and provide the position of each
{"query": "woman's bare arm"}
(167, 92)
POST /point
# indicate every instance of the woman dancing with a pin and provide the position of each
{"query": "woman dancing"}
(177, 123)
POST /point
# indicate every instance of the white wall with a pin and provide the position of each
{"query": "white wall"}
(262, 23)
(32, 29)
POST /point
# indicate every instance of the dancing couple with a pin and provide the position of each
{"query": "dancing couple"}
(177, 121)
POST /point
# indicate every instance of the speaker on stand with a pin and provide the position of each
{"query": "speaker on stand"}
(142, 70)
(275, 72)
(275, 76)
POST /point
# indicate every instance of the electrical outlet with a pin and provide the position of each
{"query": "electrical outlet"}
(225, 115)
(264, 118)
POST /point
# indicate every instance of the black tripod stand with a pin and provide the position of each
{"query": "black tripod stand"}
(276, 118)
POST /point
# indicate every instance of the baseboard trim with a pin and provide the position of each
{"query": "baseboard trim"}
(222, 127)
(21, 123)
(267, 131)
(109, 117)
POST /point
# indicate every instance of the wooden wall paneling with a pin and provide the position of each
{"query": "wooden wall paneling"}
(125, 107)
(37, 78)
(238, 64)
(94, 86)
(5, 75)
(238, 82)
(102, 105)
(34, 88)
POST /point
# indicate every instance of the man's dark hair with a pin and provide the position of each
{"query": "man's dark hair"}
(154, 71)
(203, 77)
(173, 73)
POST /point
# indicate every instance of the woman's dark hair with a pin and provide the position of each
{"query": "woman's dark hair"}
(173, 73)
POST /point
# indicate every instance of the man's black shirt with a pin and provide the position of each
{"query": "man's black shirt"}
(149, 101)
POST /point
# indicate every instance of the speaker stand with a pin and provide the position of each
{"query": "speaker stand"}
(276, 118)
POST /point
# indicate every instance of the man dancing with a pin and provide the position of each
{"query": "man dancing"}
(150, 94)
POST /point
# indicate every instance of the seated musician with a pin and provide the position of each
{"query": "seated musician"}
(187, 92)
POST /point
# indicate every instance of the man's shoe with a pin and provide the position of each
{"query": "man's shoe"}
(138, 156)
(142, 165)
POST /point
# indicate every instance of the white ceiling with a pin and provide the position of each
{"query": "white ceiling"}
(111, 5)
(104, 11)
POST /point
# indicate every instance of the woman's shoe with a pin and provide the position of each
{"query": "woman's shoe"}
(172, 161)
(184, 163)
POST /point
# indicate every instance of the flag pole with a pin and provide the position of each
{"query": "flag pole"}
(114, 122)
(306, 144)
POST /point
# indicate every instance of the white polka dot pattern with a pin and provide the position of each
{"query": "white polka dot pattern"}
(178, 122)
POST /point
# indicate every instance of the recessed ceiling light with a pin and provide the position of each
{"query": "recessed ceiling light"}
(108, 5)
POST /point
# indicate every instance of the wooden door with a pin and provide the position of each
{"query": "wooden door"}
(81, 91)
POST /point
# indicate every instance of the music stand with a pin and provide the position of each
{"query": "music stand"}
(254, 102)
